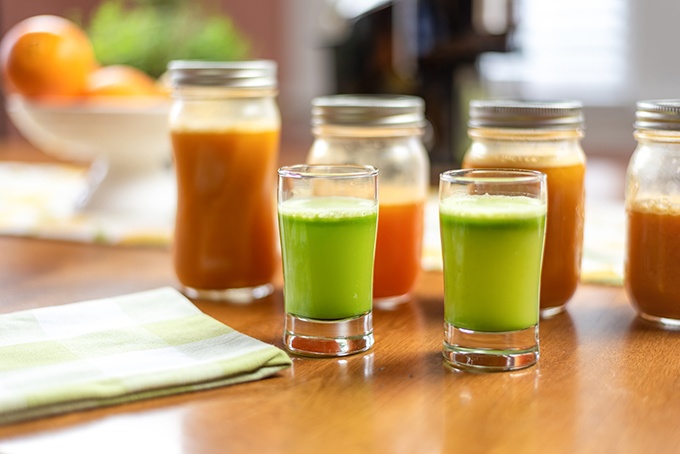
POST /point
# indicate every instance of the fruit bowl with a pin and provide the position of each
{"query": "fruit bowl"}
(128, 137)
(130, 141)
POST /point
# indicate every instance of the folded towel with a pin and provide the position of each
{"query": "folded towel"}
(115, 350)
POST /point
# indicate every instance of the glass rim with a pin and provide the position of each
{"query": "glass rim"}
(334, 171)
(492, 175)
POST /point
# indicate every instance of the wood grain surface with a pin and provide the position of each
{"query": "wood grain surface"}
(605, 382)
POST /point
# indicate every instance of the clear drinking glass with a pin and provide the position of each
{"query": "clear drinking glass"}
(328, 221)
(492, 231)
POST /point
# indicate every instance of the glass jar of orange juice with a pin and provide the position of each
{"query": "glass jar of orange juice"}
(652, 260)
(383, 131)
(225, 126)
(543, 136)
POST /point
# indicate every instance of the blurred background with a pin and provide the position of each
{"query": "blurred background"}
(606, 53)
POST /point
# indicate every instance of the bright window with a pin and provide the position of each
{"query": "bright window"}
(565, 49)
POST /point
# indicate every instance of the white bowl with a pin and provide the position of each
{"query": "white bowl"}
(129, 138)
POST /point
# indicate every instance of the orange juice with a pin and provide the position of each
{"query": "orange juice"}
(652, 277)
(564, 227)
(225, 233)
(398, 248)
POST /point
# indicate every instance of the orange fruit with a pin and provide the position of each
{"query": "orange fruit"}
(121, 80)
(47, 56)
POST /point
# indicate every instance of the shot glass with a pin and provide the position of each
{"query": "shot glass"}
(492, 224)
(327, 223)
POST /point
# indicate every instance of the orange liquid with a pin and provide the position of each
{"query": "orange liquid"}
(398, 249)
(653, 260)
(564, 229)
(225, 231)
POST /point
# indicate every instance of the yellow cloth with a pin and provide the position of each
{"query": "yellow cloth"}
(61, 201)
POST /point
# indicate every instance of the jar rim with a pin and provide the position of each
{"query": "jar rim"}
(246, 74)
(661, 114)
(359, 110)
(521, 114)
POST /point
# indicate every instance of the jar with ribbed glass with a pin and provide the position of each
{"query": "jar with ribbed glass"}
(543, 136)
(225, 125)
(383, 131)
(652, 259)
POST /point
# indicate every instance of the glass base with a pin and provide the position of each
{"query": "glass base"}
(548, 312)
(490, 351)
(390, 302)
(308, 337)
(233, 295)
(663, 322)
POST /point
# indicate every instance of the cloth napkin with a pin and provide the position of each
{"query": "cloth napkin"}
(116, 350)
(31, 193)
(68, 202)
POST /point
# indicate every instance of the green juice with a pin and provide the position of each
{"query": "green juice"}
(328, 247)
(492, 250)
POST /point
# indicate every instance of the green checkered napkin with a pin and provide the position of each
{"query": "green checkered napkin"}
(115, 350)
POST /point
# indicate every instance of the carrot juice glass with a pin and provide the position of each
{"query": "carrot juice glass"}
(225, 128)
(492, 225)
(383, 131)
(328, 217)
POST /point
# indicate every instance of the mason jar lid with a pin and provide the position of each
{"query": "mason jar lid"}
(516, 114)
(230, 74)
(383, 111)
(658, 114)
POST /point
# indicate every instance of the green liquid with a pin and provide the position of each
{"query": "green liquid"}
(328, 247)
(492, 251)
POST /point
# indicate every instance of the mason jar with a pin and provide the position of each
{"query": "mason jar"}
(225, 127)
(383, 131)
(543, 136)
(652, 259)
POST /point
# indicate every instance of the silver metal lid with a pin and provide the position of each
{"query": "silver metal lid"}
(230, 74)
(658, 114)
(384, 111)
(526, 114)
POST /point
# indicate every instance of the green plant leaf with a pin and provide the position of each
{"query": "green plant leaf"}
(150, 33)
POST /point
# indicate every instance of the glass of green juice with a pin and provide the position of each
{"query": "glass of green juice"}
(327, 224)
(492, 225)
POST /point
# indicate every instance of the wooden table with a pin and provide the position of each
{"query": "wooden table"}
(606, 381)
